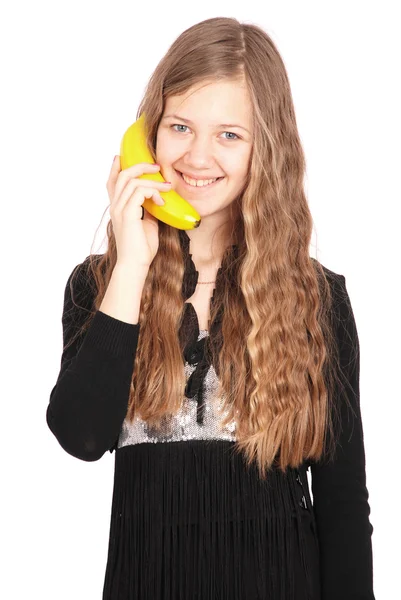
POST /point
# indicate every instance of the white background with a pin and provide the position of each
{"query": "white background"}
(72, 77)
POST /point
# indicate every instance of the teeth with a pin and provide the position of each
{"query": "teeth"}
(198, 182)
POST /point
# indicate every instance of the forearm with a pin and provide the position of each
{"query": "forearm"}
(122, 299)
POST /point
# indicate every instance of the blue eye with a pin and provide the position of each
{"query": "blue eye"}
(229, 132)
(178, 126)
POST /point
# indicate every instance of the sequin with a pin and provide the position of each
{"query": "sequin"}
(184, 425)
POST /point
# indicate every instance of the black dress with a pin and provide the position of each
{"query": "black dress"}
(189, 519)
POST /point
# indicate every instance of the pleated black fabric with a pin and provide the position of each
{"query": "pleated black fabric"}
(191, 520)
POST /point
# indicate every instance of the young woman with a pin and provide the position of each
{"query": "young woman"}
(219, 363)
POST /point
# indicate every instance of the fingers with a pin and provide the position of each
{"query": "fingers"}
(133, 196)
(133, 173)
(118, 202)
(122, 183)
(118, 178)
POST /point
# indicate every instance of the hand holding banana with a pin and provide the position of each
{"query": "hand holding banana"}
(137, 238)
(135, 186)
(176, 211)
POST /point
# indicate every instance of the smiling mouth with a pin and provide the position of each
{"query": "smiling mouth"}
(199, 187)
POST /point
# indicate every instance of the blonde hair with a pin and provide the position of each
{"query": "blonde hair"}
(279, 355)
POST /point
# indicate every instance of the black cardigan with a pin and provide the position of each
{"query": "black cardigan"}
(88, 406)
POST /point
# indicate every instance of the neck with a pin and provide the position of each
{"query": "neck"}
(207, 248)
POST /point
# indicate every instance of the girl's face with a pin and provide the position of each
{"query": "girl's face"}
(207, 133)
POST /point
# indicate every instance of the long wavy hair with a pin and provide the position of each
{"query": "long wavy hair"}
(279, 356)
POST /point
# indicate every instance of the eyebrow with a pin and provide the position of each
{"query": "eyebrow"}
(191, 123)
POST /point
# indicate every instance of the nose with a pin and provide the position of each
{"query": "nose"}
(199, 155)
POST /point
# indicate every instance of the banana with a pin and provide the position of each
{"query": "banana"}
(176, 211)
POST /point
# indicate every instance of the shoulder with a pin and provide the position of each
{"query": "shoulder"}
(83, 269)
(331, 276)
(81, 287)
(335, 280)
(341, 307)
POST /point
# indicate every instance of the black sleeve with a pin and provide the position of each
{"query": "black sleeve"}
(340, 495)
(89, 401)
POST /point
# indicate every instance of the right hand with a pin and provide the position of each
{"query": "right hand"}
(137, 237)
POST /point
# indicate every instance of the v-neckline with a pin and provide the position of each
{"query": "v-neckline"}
(190, 281)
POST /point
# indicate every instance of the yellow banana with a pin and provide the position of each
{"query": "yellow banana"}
(176, 211)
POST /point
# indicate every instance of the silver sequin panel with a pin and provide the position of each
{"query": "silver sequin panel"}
(183, 425)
